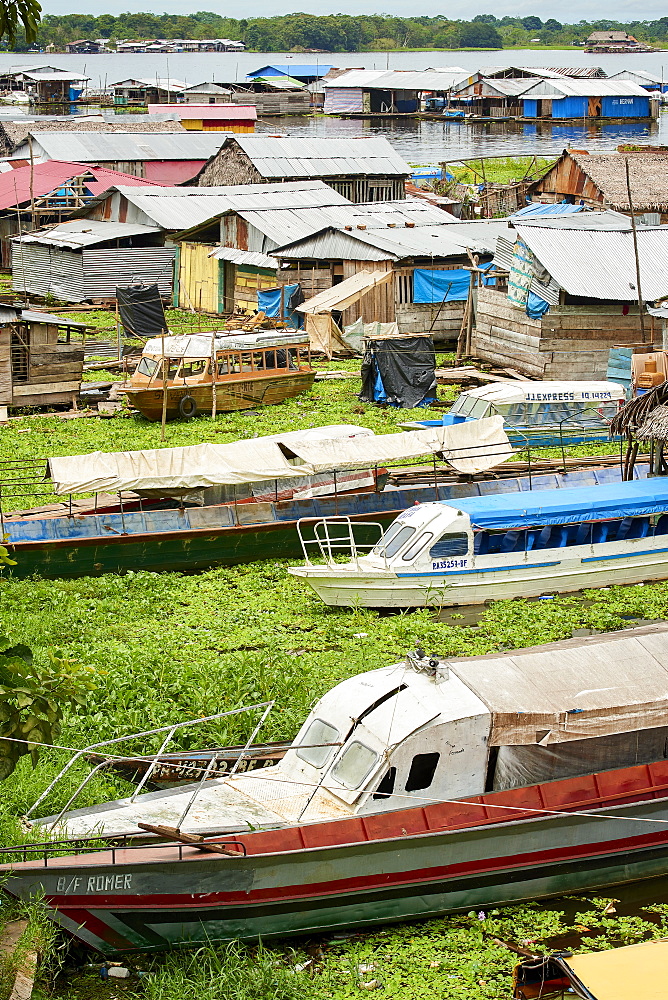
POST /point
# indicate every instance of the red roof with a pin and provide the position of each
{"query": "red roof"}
(15, 185)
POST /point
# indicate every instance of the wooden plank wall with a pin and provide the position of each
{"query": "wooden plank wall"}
(5, 366)
(377, 305)
(570, 342)
(419, 317)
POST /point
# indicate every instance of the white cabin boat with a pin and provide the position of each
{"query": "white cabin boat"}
(499, 546)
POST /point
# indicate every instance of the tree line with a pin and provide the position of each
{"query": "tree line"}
(334, 32)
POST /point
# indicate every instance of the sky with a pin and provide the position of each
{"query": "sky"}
(566, 10)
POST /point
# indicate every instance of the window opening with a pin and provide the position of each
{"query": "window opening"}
(423, 769)
(389, 546)
(450, 545)
(147, 366)
(386, 787)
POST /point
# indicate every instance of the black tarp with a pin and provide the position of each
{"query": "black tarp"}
(399, 371)
(141, 311)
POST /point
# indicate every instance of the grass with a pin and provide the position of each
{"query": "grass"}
(499, 169)
(167, 647)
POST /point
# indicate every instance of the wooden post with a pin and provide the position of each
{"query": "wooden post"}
(214, 376)
(118, 335)
(164, 389)
(641, 305)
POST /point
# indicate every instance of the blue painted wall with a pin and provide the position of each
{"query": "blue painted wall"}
(625, 107)
(570, 107)
(530, 108)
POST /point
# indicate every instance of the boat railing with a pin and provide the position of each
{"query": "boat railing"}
(50, 850)
(155, 759)
(334, 537)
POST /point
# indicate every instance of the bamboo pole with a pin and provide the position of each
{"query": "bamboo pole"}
(214, 376)
(641, 306)
(164, 389)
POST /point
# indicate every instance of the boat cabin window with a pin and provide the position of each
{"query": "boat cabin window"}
(313, 748)
(423, 769)
(259, 361)
(386, 786)
(450, 545)
(247, 362)
(394, 538)
(234, 363)
(223, 366)
(420, 542)
(190, 368)
(354, 765)
(557, 536)
(147, 366)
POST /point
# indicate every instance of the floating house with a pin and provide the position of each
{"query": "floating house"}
(388, 92)
(49, 86)
(39, 365)
(211, 117)
(568, 294)
(648, 81)
(598, 180)
(567, 99)
(206, 93)
(615, 41)
(15, 133)
(31, 197)
(146, 91)
(493, 97)
(84, 261)
(427, 255)
(163, 157)
(305, 73)
(360, 169)
(86, 46)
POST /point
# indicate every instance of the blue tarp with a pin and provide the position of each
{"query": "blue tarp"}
(536, 306)
(571, 506)
(536, 208)
(443, 286)
(269, 302)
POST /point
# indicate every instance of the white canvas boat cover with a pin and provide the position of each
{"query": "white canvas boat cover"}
(346, 293)
(282, 456)
(575, 689)
(198, 345)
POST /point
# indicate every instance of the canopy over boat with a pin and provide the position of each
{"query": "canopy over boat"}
(573, 689)
(196, 345)
(468, 448)
(535, 508)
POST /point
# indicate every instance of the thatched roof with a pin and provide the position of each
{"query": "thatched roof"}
(634, 415)
(648, 174)
(656, 426)
(12, 134)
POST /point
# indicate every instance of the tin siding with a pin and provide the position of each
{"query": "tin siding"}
(625, 107)
(45, 271)
(530, 108)
(103, 270)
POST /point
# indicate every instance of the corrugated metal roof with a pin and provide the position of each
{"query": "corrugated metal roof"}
(60, 77)
(250, 257)
(429, 79)
(601, 264)
(30, 316)
(631, 74)
(508, 87)
(567, 87)
(166, 83)
(285, 226)
(126, 146)
(207, 88)
(305, 157)
(20, 185)
(607, 221)
(293, 69)
(183, 208)
(445, 240)
(78, 233)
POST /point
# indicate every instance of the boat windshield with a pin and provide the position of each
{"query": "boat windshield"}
(147, 366)
(394, 538)
(354, 765)
(313, 747)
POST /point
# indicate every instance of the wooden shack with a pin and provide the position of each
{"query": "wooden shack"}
(599, 181)
(565, 296)
(39, 363)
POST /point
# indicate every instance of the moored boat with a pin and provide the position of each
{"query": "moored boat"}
(501, 546)
(209, 505)
(415, 790)
(251, 369)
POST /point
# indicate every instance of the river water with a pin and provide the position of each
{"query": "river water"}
(419, 142)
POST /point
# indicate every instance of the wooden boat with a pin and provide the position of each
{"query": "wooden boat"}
(206, 505)
(416, 790)
(637, 971)
(501, 546)
(252, 369)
